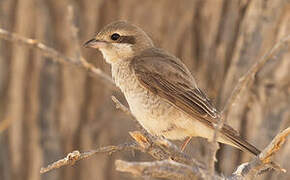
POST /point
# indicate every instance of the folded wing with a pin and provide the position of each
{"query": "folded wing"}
(169, 78)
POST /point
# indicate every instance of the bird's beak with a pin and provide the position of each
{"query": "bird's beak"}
(95, 43)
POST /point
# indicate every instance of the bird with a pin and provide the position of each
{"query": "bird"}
(161, 92)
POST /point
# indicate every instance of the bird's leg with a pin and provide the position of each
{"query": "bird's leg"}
(185, 143)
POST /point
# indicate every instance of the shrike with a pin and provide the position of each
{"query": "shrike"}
(160, 90)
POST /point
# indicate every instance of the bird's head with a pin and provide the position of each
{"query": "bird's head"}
(120, 41)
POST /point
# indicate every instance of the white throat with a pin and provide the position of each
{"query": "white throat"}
(117, 52)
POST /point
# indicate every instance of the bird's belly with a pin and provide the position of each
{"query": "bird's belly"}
(161, 118)
(156, 115)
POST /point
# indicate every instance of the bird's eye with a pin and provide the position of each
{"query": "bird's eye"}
(115, 36)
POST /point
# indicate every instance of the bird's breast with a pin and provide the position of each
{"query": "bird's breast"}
(155, 114)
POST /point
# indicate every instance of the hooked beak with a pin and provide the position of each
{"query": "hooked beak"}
(95, 43)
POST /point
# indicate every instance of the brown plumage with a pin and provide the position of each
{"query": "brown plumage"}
(168, 77)
(161, 92)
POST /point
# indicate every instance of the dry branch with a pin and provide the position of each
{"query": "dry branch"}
(54, 54)
(179, 163)
(178, 170)
(158, 148)
(120, 106)
(214, 147)
(250, 169)
(162, 169)
(75, 156)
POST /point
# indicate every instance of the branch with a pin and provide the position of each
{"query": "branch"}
(75, 156)
(253, 167)
(162, 169)
(158, 148)
(176, 169)
(214, 147)
(55, 55)
(122, 107)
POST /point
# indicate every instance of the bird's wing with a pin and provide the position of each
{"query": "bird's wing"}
(169, 78)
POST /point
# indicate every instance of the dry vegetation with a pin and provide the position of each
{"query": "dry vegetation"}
(50, 104)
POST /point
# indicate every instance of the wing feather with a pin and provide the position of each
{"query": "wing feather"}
(169, 78)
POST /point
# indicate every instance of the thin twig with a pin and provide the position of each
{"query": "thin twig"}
(122, 107)
(55, 55)
(246, 79)
(214, 147)
(75, 156)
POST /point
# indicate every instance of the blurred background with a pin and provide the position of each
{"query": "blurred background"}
(48, 110)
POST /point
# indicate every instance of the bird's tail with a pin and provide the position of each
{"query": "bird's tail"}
(242, 144)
